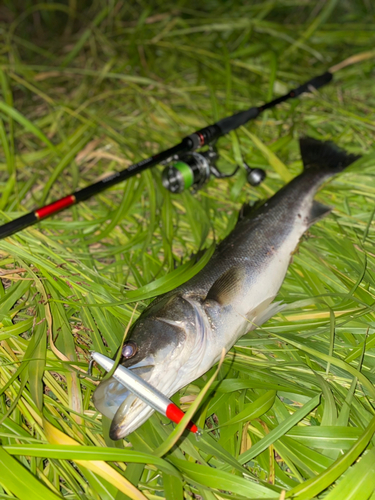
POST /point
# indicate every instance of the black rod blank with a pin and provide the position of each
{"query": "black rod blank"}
(189, 143)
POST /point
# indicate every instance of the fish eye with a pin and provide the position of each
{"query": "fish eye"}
(129, 350)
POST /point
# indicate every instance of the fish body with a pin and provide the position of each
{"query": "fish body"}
(181, 334)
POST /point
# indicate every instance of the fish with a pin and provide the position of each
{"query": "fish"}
(181, 334)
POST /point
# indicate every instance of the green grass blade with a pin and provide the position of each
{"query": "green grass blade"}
(67, 452)
(218, 479)
(29, 487)
(314, 486)
(359, 482)
(26, 124)
(279, 431)
(173, 487)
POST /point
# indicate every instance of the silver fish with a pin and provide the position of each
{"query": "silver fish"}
(182, 333)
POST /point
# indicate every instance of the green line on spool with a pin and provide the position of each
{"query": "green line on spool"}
(187, 173)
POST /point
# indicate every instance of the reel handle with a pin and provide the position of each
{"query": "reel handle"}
(254, 176)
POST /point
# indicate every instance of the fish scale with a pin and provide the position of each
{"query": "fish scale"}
(181, 334)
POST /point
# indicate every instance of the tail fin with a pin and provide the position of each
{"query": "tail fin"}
(319, 155)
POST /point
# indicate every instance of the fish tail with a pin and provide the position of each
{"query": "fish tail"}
(324, 156)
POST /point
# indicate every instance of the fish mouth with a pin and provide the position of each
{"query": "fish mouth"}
(126, 410)
(110, 394)
(131, 414)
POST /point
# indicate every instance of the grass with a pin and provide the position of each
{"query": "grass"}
(88, 88)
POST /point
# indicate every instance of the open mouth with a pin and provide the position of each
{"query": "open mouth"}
(127, 411)
(111, 394)
(131, 414)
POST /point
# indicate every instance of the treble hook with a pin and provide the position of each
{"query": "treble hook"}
(89, 372)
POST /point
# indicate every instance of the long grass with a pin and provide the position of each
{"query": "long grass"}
(88, 88)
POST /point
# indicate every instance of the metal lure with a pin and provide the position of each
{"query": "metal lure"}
(144, 391)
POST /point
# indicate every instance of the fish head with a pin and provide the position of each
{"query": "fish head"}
(160, 343)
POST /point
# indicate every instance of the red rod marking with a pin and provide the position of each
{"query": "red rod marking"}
(175, 414)
(56, 206)
(201, 138)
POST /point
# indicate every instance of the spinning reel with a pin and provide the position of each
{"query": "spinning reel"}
(194, 170)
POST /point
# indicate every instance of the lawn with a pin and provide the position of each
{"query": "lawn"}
(87, 89)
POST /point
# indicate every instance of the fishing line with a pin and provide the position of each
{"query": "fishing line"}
(190, 169)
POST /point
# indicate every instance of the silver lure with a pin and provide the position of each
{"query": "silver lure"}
(182, 333)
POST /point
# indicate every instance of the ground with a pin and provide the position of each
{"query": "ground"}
(87, 88)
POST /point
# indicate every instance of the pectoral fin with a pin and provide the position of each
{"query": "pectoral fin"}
(225, 288)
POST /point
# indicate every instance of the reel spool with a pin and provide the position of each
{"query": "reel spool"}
(194, 170)
(191, 170)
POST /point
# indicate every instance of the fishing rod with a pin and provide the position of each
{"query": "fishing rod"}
(189, 169)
